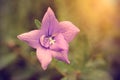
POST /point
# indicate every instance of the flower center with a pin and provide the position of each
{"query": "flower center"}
(47, 41)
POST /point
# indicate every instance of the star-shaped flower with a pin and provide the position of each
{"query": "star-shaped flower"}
(51, 41)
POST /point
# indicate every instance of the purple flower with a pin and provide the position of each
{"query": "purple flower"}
(51, 41)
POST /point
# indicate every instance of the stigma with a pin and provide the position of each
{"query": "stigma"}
(52, 41)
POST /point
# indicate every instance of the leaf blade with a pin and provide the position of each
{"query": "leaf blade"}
(37, 23)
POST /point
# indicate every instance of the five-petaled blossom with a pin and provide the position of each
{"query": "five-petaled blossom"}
(51, 41)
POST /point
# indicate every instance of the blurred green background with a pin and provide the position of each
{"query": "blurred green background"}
(94, 53)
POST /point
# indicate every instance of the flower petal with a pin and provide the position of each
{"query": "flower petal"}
(60, 48)
(49, 23)
(44, 56)
(63, 56)
(60, 43)
(68, 30)
(32, 38)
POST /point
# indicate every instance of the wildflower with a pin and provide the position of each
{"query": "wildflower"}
(51, 41)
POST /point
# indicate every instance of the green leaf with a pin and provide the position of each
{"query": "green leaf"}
(33, 53)
(70, 77)
(98, 63)
(96, 74)
(37, 23)
(6, 60)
